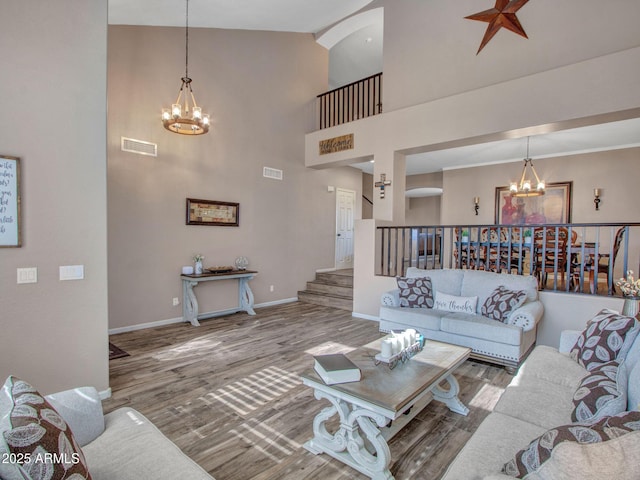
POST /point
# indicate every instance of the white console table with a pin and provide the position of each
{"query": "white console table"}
(190, 302)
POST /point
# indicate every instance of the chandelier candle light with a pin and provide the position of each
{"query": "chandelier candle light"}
(524, 188)
(179, 118)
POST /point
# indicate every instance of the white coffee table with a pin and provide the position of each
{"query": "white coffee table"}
(374, 409)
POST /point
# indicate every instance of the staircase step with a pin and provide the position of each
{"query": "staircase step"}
(335, 301)
(338, 277)
(331, 289)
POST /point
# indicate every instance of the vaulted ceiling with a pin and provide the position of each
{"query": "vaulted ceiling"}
(355, 46)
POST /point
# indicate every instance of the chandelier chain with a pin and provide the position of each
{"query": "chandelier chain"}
(186, 49)
(185, 116)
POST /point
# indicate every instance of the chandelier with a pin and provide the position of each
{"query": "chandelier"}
(525, 187)
(180, 118)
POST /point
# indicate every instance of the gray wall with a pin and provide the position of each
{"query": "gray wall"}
(430, 48)
(53, 116)
(260, 89)
(615, 172)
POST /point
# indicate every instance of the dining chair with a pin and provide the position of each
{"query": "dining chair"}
(604, 261)
(550, 252)
(468, 256)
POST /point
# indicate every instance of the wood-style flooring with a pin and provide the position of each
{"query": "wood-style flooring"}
(228, 394)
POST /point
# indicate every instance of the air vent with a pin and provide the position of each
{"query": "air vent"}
(138, 146)
(272, 173)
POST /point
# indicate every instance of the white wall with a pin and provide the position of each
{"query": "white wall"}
(53, 116)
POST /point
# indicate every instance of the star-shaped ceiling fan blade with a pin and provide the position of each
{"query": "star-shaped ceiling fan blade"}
(502, 15)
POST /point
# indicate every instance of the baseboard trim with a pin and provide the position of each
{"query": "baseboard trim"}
(276, 302)
(218, 313)
(142, 326)
(365, 316)
(104, 394)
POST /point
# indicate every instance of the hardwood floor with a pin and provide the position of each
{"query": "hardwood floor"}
(228, 394)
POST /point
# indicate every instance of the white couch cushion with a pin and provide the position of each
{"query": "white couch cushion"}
(482, 284)
(132, 448)
(81, 408)
(538, 402)
(633, 389)
(476, 326)
(495, 442)
(418, 318)
(548, 364)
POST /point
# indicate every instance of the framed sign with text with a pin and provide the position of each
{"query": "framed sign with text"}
(10, 233)
(212, 212)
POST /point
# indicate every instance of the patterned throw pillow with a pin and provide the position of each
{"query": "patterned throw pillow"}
(540, 450)
(601, 393)
(39, 439)
(501, 302)
(415, 292)
(608, 336)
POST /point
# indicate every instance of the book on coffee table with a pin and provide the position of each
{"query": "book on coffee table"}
(336, 368)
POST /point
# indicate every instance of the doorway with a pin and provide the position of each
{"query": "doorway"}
(345, 207)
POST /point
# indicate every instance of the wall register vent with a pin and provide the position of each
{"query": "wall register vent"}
(138, 146)
(272, 173)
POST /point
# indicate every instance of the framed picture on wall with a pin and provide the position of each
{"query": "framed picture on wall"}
(552, 207)
(212, 212)
(10, 228)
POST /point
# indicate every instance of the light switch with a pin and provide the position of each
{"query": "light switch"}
(28, 275)
(72, 272)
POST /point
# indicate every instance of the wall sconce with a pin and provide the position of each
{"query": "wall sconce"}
(596, 194)
(476, 204)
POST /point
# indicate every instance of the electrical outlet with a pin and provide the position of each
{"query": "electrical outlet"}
(176, 301)
(271, 288)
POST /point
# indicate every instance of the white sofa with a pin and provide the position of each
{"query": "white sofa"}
(540, 399)
(506, 343)
(121, 445)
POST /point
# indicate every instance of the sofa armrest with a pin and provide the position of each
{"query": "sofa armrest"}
(391, 298)
(568, 339)
(527, 316)
(81, 408)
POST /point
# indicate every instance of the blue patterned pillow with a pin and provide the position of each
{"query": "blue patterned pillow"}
(415, 292)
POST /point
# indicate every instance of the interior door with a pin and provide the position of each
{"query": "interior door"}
(345, 207)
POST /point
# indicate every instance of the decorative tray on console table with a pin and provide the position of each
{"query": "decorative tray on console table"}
(219, 269)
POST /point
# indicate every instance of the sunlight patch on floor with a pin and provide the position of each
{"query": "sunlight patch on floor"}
(256, 390)
(188, 348)
(266, 440)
